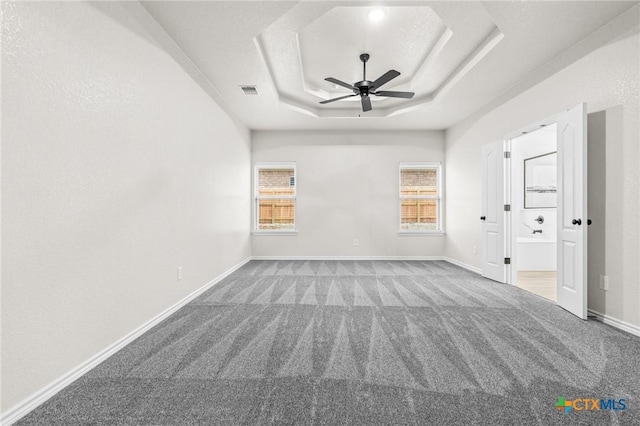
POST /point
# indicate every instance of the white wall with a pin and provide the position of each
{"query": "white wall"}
(116, 168)
(347, 188)
(607, 79)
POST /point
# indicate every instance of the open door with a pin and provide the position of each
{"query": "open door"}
(493, 232)
(572, 210)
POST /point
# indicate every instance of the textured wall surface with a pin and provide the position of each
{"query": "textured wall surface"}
(115, 169)
(606, 79)
(347, 188)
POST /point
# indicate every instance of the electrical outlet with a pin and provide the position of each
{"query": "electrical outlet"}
(604, 282)
(475, 249)
(179, 273)
(355, 242)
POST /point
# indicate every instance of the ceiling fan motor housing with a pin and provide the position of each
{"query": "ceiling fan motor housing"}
(363, 87)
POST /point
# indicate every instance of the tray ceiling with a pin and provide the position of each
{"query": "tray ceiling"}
(456, 56)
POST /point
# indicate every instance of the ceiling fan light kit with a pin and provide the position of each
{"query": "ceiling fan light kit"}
(365, 88)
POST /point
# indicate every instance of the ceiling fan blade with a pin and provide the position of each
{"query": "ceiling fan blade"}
(385, 78)
(406, 95)
(337, 99)
(339, 83)
(366, 104)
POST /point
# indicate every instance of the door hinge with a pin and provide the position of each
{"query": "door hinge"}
(507, 261)
(507, 207)
(507, 154)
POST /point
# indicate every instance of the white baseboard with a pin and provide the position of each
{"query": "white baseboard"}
(21, 409)
(347, 258)
(613, 322)
(463, 265)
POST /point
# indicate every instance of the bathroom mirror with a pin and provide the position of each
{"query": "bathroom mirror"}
(540, 181)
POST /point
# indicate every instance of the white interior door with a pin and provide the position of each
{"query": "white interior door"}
(572, 210)
(493, 235)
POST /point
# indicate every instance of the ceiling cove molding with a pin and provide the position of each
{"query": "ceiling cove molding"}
(306, 86)
(486, 46)
(294, 105)
(444, 38)
(309, 107)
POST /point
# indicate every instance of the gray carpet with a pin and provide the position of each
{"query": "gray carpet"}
(359, 342)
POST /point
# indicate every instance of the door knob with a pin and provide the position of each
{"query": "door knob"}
(483, 217)
(576, 222)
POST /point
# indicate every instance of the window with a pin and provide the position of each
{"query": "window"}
(275, 195)
(420, 203)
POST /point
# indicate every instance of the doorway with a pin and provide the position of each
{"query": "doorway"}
(534, 217)
(571, 211)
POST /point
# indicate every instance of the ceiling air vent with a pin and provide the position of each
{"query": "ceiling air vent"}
(249, 90)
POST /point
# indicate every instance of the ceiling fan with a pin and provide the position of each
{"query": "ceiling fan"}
(365, 87)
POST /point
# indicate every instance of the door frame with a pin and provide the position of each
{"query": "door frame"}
(574, 299)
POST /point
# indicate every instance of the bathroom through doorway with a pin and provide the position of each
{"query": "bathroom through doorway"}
(534, 218)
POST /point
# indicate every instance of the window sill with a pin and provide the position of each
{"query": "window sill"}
(420, 233)
(283, 233)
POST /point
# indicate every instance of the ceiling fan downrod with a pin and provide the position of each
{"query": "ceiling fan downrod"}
(364, 58)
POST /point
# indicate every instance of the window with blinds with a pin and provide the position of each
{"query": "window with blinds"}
(275, 197)
(420, 199)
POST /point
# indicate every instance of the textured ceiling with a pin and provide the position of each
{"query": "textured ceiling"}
(456, 56)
